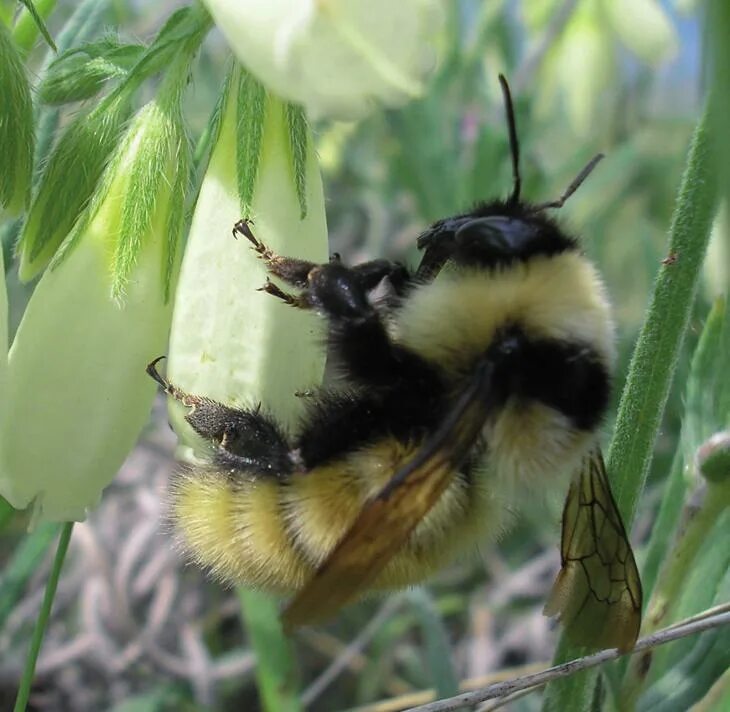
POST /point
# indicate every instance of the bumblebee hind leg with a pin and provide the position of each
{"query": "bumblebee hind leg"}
(245, 438)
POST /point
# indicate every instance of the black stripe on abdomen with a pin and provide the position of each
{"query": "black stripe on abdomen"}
(567, 376)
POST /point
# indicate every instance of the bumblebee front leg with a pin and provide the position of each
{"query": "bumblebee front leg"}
(289, 269)
(299, 273)
(245, 439)
(357, 332)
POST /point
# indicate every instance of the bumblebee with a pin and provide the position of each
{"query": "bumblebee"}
(483, 375)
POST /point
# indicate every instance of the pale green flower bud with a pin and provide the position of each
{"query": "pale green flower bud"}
(713, 458)
(336, 57)
(77, 393)
(229, 341)
(585, 68)
(16, 127)
(644, 27)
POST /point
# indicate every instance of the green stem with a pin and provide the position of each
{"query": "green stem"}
(26, 680)
(657, 350)
(652, 366)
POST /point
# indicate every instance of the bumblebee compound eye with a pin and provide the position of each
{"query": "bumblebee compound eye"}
(494, 238)
(441, 234)
(438, 244)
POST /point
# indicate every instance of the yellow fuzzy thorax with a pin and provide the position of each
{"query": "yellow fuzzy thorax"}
(452, 320)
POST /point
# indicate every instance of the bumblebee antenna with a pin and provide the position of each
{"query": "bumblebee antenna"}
(514, 144)
(576, 183)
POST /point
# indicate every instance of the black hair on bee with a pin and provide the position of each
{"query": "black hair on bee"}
(486, 377)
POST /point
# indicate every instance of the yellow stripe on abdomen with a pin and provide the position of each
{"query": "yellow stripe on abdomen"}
(233, 526)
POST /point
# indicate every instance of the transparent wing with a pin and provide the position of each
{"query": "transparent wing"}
(385, 522)
(597, 593)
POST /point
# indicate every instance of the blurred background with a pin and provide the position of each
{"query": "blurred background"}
(133, 628)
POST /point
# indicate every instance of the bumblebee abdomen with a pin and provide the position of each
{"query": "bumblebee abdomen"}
(232, 525)
(272, 533)
(322, 505)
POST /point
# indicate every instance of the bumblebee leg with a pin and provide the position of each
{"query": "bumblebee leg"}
(289, 269)
(186, 399)
(357, 332)
(341, 293)
(245, 439)
(296, 272)
(372, 273)
(299, 301)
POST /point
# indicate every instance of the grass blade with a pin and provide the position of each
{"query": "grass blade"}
(276, 673)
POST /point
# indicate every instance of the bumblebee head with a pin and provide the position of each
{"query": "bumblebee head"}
(494, 235)
(500, 232)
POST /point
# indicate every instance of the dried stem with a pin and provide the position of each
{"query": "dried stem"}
(502, 689)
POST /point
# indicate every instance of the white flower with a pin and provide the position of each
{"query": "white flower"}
(229, 341)
(336, 57)
(77, 394)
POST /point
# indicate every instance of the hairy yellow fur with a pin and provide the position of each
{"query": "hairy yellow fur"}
(451, 320)
(272, 534)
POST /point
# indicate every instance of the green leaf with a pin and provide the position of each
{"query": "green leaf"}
(717, 698)
(251, 116)
(436, 641)
(24, 562)
(154, 156)
(185, 27)
(38, 19)
(211, 132)
(276, 673)
(82, 71)
(296, 123)
(161, 699)
(26, 29)
(16, 127)
(85, 20)
(81, 154)
(665, 524)
(718, 30)
(688, 580)
(707, 409)
(72, 172)
(684, 671)
(176, 216)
